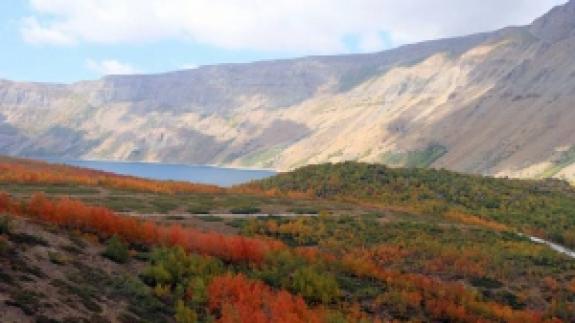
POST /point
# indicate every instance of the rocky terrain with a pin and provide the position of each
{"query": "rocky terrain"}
(498, 103)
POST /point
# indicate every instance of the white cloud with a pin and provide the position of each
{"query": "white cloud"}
(33, 32)
(110, 67)
(318, 26)
(189, 66)
(370, 42)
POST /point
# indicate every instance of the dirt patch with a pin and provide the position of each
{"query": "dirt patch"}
(50, 274)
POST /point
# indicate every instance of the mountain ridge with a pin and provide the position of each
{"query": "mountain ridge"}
(495, 103)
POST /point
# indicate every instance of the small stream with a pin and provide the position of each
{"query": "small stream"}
(559, 248)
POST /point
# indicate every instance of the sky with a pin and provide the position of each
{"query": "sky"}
(70, 40)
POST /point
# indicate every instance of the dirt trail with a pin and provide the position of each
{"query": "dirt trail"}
(220, 215)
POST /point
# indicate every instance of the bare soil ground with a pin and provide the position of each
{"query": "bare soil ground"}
(49, 275)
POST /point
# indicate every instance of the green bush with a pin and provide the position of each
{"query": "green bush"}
(57, 258)
(116, 250)
(198, 209)
(28, 301)
(245, 210)
(304, 210)
(315, 286)
(164, 205)
(485, 282)
(185, 314)
(4, 248)
(142, 302)
(28, 239)
(5, 224)
(210, 218)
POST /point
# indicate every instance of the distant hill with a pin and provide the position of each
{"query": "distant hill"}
(497, 103)
(544, 208)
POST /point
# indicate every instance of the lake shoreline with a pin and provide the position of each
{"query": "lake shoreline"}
(200, 174)
(55, 159)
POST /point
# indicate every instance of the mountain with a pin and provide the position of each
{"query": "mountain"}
(498, 103)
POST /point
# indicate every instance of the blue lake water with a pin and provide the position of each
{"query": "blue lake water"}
(191, 173)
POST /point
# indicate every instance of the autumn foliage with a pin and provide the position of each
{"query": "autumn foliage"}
(23, 171)
(572, 286)
(475, 220)
(423, 279)
(76, 215)
(238, 299)
(441, 300)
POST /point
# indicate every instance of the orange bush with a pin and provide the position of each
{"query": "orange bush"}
(475, 220)
(13, 170)
(442, 300)
(238, 299)
(571, 286)
(76, 215)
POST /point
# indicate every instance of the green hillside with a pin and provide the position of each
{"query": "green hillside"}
(545, 208)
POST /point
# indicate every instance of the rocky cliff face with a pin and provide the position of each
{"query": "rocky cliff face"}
(498, 103)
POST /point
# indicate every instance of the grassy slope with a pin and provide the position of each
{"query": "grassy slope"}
(419, 158)
(545, 208)
(424, 240)
(500, 266)
(567, 158)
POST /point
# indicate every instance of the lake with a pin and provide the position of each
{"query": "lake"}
(191, 173)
